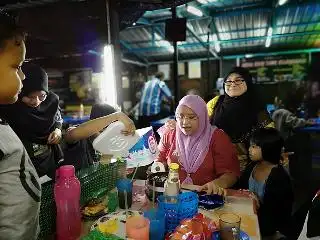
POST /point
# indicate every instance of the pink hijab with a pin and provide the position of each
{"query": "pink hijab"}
(193, 149)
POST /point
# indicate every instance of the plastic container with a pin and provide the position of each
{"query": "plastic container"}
(67, 197)
(122, 186)
(137, 228)
(112, 142)
(157, 224)
(185, 207)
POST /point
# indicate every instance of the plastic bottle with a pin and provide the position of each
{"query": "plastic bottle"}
(67, 197)
(172, 184)
(81, 111)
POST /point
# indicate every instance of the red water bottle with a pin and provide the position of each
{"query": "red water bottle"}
(67, 196)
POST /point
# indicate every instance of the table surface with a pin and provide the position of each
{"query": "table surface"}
(235, 202)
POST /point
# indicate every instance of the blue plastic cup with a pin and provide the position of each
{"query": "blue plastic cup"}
(124, 185)
(157, 224)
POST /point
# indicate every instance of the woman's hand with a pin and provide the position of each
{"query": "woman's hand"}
(171, 124)
(129, 127)
(55, 136)
(213, 188)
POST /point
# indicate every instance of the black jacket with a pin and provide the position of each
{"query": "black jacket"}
(274, 213)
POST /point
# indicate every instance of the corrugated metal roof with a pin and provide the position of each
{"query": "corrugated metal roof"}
(240, 26)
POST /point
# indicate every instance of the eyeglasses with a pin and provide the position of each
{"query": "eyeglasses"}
(237, 82)
(186, 118)
(41, 97)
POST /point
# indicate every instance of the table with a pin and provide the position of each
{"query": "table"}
(235, 202)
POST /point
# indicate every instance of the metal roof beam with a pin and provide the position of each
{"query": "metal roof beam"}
(243, 55)
(241, 30)
(205, 45)
(234, 6)
(127, 46)
(251, 38)
(143, 21)
(188, 45)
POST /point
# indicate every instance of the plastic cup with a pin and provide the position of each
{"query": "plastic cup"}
(137, 228)
(157, 224)
(122, 186)
(229, 226)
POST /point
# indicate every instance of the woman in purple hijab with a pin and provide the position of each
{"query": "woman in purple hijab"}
(205, 153)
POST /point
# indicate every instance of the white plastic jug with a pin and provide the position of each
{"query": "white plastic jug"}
(112, 142)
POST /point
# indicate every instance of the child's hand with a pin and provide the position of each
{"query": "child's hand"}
(55, 136)
(129, 127)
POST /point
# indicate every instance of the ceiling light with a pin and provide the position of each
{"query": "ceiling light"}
(194, 11)
(164, 43)
(281, 2)
(268, 42)
(217, 47)
(270, 30)
(214, 37)
(202, 1)
(248, 56)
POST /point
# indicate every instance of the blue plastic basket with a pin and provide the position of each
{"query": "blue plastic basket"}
(185, 207)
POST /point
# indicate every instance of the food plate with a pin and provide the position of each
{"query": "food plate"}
(209, 202)
(243, 236)
(95, 208)
(114, 223)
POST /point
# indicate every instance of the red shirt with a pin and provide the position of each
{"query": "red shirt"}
(220, 159)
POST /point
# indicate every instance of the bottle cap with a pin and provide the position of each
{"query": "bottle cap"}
(174, 166)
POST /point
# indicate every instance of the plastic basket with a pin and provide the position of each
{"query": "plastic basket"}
(92, 180)
(185, 207)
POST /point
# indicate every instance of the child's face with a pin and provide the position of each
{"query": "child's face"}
(255, 152)
(11, 58)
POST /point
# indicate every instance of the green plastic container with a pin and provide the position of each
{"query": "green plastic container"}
(92, 180)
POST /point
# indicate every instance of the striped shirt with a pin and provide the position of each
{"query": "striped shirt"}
(20, 189)
(152, 95)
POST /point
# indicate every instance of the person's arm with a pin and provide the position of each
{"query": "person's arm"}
(58, 119)
(226, 164)
(211, 104)
(166, 91)
(164, 147)
(92, 127)
(55, 135)
(293, 121)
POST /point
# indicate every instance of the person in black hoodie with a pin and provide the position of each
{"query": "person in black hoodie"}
(37, 121)
(269, 182)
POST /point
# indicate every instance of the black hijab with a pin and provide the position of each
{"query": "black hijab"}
(237, 116)
(33, 124)
(313, 229)
(101, 110)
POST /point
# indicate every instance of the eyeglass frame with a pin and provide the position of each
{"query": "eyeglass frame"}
(44, 97)
(186, 118)
(236, 83)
